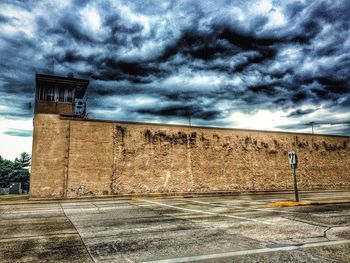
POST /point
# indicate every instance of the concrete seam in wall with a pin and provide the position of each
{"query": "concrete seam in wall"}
(68, 157)
(34, 140)
(114, 159)
(189, 164)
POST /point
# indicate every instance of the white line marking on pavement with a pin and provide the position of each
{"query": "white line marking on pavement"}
(200, 202)
(205, 212)
(250, 252)
(241, 207)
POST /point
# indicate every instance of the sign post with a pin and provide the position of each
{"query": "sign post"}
(293, 161)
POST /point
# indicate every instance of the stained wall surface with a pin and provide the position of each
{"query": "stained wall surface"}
(74, 157)
(49, 156)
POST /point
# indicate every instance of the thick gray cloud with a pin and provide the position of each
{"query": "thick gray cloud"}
(161, 60)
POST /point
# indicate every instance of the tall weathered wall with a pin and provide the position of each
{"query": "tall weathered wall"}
(49, 156)
(90, 158)
(73, 157)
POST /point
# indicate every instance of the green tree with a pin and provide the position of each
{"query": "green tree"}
(23, 160)
(16, 171)
(6, 169)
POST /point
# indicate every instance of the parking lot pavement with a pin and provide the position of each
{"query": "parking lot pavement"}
(240, 228)
(39, 233)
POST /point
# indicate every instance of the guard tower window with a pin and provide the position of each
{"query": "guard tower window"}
(69, 95)
(56, 94)
(50, 94)
(61, 95)
(41, 95)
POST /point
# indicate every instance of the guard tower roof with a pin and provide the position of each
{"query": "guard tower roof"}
(80, 85)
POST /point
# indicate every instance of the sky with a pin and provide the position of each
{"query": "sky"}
(266, 65)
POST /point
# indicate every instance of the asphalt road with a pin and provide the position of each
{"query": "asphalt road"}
(242, 228)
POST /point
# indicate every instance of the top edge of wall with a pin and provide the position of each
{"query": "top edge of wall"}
(67, 117)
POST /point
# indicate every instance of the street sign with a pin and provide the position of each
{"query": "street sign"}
(293, 161)
(292, 158)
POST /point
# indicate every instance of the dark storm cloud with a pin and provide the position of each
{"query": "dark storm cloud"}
(299, 112)
(4, 19)
(69, 27)
(160, 60)
(181, 110)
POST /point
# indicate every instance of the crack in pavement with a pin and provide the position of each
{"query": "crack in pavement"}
(306, 222)
(325, 233)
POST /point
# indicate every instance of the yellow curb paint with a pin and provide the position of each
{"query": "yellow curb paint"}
(289, 203)
(304, 203)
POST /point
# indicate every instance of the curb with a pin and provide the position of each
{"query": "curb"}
(306, 203)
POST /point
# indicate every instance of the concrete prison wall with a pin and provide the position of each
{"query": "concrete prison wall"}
(76, 157)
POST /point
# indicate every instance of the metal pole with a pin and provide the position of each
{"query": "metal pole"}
(295, 184)
(312, 127)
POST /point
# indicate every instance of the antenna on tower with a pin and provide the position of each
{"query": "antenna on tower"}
(50, 66)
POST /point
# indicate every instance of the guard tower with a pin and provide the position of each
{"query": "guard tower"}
(60, 95)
